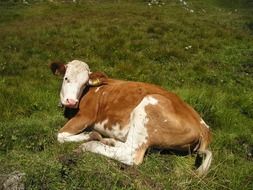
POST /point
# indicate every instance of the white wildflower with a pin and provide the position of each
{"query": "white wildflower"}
(156, 2)
(188, 47)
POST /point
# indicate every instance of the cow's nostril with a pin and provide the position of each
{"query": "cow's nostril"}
(71, 101)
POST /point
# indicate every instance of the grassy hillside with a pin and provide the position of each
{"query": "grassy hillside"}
(203, 51)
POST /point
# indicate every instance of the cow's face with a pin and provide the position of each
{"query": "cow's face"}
(75, 78)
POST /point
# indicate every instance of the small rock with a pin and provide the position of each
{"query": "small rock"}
(13, 181)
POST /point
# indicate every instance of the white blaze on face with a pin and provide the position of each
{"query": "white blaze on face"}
(74, 82)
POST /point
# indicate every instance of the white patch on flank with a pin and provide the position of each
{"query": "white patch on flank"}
(165, 120)
(137, 136)
(138, 132)
(68, 137)
(114, 132)
(118, 133)
(100, 127)
(204, 123)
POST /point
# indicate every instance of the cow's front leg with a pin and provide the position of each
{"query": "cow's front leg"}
(73, 131)
(68, 137)
(121, 151)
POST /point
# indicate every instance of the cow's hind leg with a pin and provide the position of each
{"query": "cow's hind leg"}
(121, 152)
(132, 151)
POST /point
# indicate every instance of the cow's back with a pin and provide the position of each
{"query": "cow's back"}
(117, 99)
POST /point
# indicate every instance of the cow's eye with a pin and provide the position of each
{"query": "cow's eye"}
(66, 79)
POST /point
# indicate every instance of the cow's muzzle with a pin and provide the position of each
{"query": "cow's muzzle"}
(71, 103)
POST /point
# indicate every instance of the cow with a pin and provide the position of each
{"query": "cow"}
(125, 118)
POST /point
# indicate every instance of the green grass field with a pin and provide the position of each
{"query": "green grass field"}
(203, 51)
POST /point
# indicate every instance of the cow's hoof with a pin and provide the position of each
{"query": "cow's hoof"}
(109, 142)
(95, 136)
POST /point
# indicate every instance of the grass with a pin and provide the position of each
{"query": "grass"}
(205, 57)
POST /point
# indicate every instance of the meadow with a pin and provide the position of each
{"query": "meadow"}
(200, 50)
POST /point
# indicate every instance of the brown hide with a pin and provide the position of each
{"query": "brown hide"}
(174, 123)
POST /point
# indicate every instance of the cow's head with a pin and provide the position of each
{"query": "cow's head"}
(75, 78)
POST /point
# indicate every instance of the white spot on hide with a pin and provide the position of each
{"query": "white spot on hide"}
(202, 122)
(114, 132)
(100, 126)
(97, 89)
(118, 133)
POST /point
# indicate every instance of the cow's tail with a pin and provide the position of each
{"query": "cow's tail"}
(206, 162)
(204, 156)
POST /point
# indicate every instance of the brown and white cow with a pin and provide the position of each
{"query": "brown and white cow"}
(127, 117)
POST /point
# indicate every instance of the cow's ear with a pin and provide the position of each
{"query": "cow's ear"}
(97, 78)
(58, 68)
